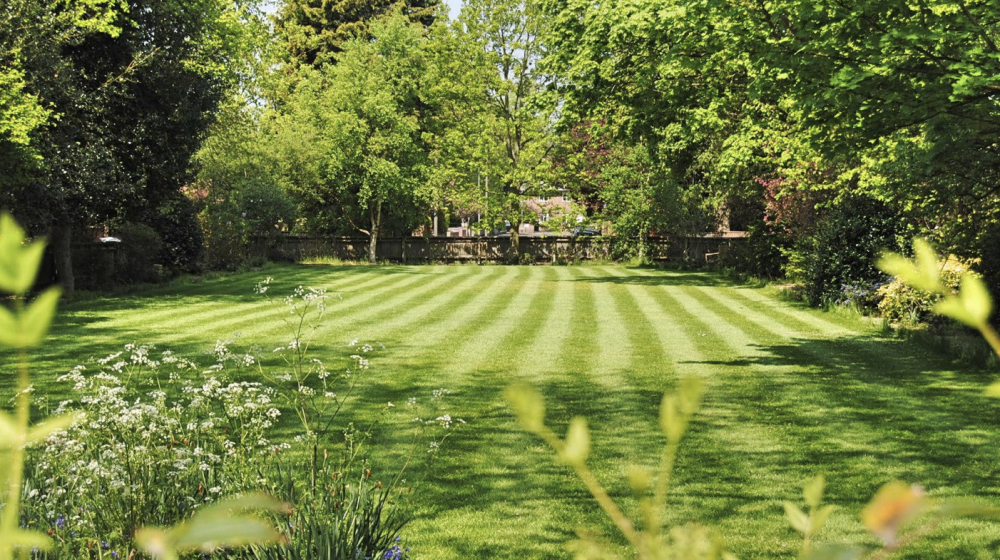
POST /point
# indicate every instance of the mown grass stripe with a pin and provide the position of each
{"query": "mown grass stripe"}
(613, 346)
(547, 343)
(813, 317)
(580, 347)
(426, 358)
(422, 314)
(786, 398)
(506, 357)
(232, 321)
(737, 469)
(648, 366)
(488, 472)
(242, 313)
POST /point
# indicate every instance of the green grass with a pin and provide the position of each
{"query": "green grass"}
(791, 392)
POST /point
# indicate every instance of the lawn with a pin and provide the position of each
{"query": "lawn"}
(791, 392)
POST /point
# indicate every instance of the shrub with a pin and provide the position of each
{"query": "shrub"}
(138, 254)
(177, 223)
(245, 222)
(760, 255)
(847, 244)
(899, 303)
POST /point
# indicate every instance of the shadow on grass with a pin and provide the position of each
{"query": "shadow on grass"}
(706, 279)
(863, 410)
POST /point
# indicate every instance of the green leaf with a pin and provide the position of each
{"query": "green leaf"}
(215, 526)
(156, 542)
(836, 552)
(24, 276)
(26, 539)
(690, 392)
(968, 508)
(813, 491)
(206, 535)
(528, 405)
(954, 308)
(50, 426)
(247, 502)
(798, 519)
(993, 390)
(672, 421)
(577, 442)
(927, 264)
(38, 317)
(976, 298)
(639, 479)
(9, 330)
(11, 239)
(818, 518)
(8, 431)
(922, 273)
(18, 263)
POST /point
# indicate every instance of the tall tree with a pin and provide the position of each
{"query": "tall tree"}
(515, 133)
(131, 108)
(363, 166)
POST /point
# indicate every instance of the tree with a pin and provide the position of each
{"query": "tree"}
(131, 108)
(313, 32)
(363, 167)
(515, 132)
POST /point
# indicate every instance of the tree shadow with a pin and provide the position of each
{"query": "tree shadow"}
(660, 278)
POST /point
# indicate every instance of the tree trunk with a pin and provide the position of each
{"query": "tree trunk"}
(376, 219)
(515, 243)
(62, 235)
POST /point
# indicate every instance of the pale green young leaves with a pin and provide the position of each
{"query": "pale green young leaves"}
(971, 306)
(811, 523)
(577, 442)
(20, 538)
(28, 328)
(813, 491)
(18, 262)
(922, 273)
(676, 409)
(528, 405)
(221, 525)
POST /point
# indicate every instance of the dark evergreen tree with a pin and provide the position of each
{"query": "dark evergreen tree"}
(311, 32)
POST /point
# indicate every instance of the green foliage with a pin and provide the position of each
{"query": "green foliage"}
(220, 525)
(365, 161)
(313, 32)
(138, 254)
(645, 535)
(25, 328)
(176, 222)
(340, 519)
(142, 457)
(760, 256)
(512, 133)
(847, 244)
(132, 86)
(901, 303)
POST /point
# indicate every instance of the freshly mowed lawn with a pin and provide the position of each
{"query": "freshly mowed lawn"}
(791, 392)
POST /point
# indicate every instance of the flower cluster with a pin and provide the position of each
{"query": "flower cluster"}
(139, 457)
